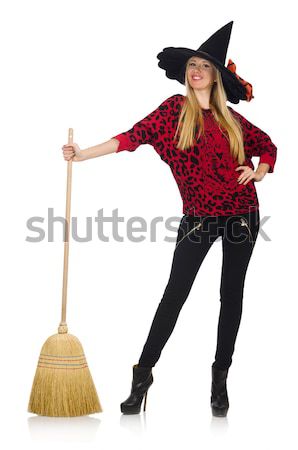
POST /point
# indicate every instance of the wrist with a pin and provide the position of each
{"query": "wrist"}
(263, 168)
(84, 155)
(261, 172)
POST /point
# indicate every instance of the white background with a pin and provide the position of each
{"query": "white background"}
(92, 65)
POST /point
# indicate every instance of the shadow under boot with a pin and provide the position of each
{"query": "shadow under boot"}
(142, 380)
(219, 395)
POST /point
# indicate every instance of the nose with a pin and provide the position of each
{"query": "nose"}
(197, 70)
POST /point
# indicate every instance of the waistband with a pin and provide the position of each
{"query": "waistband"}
(252, 216)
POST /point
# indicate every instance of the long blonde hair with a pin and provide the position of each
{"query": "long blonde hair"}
(191, 118)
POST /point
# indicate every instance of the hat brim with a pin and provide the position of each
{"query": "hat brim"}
(173, 60)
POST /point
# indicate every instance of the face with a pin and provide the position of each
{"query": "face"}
(200, 73)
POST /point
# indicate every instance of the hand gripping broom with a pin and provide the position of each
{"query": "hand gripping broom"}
(63, 385)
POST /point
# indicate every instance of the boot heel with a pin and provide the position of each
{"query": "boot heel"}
(145, 401)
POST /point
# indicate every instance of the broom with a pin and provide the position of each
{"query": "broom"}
(63, 385)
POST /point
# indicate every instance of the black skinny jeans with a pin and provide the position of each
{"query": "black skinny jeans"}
(195, 236)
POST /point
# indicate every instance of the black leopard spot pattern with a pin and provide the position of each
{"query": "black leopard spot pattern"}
(205, 173)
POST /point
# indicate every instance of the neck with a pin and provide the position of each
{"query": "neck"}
(203, 97)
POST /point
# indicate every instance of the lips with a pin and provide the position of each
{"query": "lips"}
(196, 78)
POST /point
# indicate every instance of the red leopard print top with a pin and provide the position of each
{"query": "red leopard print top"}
(205, 173)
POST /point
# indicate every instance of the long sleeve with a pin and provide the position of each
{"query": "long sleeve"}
(145, 131)
(257, 142)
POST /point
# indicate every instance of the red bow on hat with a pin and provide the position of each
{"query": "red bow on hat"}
(232, 67)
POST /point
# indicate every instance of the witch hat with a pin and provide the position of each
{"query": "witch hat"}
(174, 59)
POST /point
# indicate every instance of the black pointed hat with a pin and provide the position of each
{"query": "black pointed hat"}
(173, 60)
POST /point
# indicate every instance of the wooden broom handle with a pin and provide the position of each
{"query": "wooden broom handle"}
(63, 325)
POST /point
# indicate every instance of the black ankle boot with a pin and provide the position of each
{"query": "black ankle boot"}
(142, 380)
(219, 395)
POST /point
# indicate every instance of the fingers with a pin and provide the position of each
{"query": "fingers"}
(245, 179)
(68, 152)
(246, 176)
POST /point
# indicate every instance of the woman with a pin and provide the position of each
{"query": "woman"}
(208, 146)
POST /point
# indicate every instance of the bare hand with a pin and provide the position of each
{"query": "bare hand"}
(248, 174)
(72, 151)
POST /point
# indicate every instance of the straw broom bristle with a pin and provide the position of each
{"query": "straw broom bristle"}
(63, 385)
